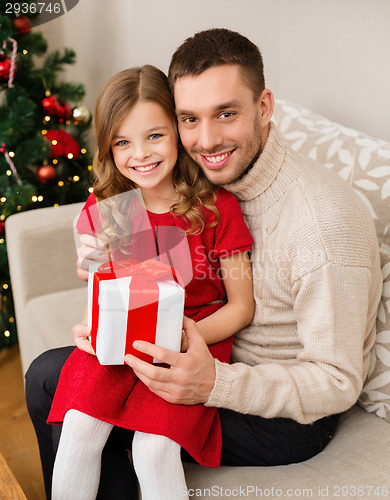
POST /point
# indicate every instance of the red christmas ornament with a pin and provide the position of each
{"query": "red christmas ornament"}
(63, 111)
(50, 105)
(2, 228)
(5, 67)
(46, 174)
(63, 144)
(23, 25)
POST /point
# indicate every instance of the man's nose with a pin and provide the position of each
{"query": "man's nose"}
(209, 136)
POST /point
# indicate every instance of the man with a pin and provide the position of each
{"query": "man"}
(317, 279)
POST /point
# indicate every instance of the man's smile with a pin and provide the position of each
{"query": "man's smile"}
(218, 160)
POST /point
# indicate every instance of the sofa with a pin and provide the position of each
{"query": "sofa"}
(49, 299)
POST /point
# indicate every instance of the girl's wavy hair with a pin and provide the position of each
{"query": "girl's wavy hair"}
(144, 84)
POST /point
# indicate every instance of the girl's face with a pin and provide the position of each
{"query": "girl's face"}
(145, 148)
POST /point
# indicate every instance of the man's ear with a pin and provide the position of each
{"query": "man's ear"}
(266, 107)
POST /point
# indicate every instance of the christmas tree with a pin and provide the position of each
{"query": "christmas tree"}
(44, 160)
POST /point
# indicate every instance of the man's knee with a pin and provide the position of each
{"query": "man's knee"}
(43, 373)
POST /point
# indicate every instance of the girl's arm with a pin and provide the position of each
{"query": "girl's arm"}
(237, 277)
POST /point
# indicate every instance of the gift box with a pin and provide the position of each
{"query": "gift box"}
(128, 302)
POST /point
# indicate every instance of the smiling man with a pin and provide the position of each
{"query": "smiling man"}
(317, 280)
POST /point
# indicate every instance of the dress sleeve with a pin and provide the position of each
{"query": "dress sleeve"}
(89, 220)
(231, 233)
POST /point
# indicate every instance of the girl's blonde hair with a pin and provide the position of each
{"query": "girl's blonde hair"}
(121, 93)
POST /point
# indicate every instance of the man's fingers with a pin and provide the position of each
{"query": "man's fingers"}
(163, 355)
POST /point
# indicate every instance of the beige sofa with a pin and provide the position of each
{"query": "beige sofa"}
(49, 299)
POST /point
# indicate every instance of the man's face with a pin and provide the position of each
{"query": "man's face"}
(219, 122)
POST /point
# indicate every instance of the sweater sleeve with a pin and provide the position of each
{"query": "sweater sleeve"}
(330, 371)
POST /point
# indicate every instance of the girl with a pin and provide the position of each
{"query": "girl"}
(137, 147)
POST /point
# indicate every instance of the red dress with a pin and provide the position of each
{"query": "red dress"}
(115, 395)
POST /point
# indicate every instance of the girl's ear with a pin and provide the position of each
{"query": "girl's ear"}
(266, 107)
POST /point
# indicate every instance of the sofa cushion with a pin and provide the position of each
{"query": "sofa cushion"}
(363, 162)
(339, 466)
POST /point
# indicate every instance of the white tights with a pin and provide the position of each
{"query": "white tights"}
(76, 472)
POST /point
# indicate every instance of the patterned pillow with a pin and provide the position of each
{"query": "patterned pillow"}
(363, 162)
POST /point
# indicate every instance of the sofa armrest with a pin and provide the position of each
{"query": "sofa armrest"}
(42, 261)
(41, 252)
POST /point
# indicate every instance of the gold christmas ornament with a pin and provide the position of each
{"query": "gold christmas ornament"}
(81, 114)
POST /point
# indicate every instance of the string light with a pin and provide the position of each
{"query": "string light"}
(90, 167)
(54, 142)
(3, 199)
(25, 52)
(70, 156)
(40, 198)
(83, 151)
(90, 189)
(9, 172)
(7, 333)
(44, 131)
(56, 205)
(60, 183)
(76, 178)
(11, 154)
(47, 118)
(34, 198)
(55, 161)
(5, 286)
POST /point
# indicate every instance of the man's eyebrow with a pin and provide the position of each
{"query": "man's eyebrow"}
(220, 107)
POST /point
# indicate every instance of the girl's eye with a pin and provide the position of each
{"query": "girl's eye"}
(153, 137)
(123, 142)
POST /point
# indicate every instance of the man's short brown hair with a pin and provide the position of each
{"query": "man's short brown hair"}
(215, 47)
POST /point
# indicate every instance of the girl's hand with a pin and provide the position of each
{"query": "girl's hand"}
(81, 333)
(92, 251)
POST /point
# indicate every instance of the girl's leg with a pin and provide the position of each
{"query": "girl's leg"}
(158, 466)
(76, 472)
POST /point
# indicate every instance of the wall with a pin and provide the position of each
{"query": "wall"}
(329, 55)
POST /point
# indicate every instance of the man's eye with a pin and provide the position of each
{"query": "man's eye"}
(226, 114)
(190, 119)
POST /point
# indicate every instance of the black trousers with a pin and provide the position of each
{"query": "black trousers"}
(248, 440)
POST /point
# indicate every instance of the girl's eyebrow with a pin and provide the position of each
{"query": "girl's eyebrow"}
(151, 130)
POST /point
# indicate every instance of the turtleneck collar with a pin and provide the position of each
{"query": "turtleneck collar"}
(263, 172)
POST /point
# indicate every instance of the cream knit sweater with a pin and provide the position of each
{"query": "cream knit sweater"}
(317, 285)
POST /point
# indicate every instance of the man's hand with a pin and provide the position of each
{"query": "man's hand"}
(80, 335)
(190, 377)
(92, 251)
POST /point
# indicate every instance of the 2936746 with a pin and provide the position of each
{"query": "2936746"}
(33, 8)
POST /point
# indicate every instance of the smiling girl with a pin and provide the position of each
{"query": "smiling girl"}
(138, 147)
